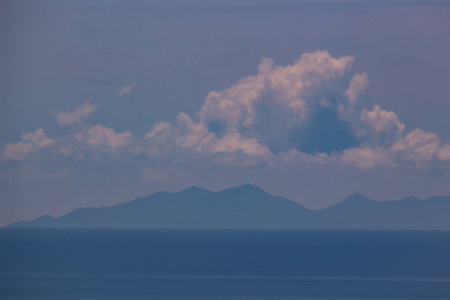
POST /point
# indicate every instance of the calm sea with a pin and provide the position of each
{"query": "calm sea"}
(223, 264)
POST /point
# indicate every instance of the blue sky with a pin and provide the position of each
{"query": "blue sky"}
(103, 101)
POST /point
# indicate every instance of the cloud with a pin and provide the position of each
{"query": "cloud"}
(76, 116)
(444, 152)
(366, 158)
(275, 90)
(127, 89)
(97, 141)
(276, 106)
(30, 143)
(195, 137)
(304, 112)
(384, 127)
(101, 136)
(100, 141)
(418, 146)
(309, 112)
(357, 87)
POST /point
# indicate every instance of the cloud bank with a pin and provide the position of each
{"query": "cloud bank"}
(307, 112)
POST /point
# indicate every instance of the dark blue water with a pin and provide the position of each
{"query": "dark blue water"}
(223, 264)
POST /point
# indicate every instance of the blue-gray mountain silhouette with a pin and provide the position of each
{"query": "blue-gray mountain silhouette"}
(358, 211)
(250, 207)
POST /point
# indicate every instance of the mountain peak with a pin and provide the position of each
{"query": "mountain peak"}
(359, 195)
(243, 189)
(248, 187)
(194, 191)
(193, 188)
(356, 198)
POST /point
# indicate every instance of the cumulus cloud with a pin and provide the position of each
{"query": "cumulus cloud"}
(418, 146)
(98, 140)
(379, 126)
(366, 158)
(30, 143)
(357, 87)
(76, 116)
(277, 106)
(307, 112)
(303, 112)
(290, 88)
(382, 120)
(195, 136)
(444, 152)
(101, 136)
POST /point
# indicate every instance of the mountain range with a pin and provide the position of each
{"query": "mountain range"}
(250, 207)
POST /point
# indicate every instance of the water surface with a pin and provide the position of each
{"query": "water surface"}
(223, 264)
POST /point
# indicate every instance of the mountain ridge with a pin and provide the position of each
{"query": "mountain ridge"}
(250, 207)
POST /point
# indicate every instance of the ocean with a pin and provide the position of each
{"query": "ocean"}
(223, 264)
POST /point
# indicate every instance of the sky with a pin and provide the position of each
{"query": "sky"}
(105, 101)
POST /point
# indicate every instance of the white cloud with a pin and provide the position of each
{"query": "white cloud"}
(384, 126)
(357, 87)
(418, 146)
(100, 135)
(158, 128)
(100, 141)
(76, 116)
(444, 152)
(192, 136)
(382, 120)
(235, 142)
(366, 158)
(127, 89)
(303, 113)
(288, 90)
(276, 102)
(31, 142)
